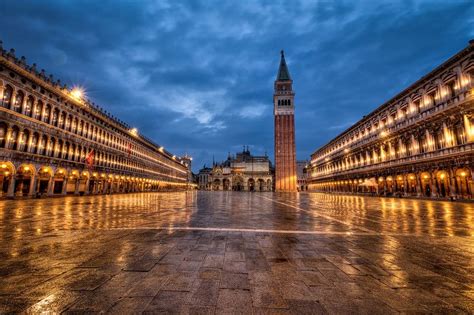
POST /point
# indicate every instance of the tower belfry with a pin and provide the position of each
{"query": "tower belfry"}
(284, 110)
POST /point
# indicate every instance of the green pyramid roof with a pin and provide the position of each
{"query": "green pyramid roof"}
(283, 73)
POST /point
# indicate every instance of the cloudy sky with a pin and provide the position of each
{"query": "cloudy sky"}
(197, 76)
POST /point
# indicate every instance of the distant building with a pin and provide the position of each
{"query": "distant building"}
(203, 178)
(301, 175)
(244, 172)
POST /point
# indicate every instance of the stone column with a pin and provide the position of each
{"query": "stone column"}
(452, 183)
(405, 185)
(86, 190)
(418, 185)
(76, 186)
(32, 189)
(11, 187)
(64, 190)
(433, 187)
(8, 138)
(50, 186)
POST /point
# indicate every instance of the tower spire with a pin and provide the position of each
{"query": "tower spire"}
(283, 73)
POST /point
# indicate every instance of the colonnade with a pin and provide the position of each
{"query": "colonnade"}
(455, 183)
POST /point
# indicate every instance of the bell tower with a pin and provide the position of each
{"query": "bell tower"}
(283, 111)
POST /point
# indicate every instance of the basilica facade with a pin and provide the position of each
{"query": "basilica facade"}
(55, 142)
(419, 143)
(242, 172)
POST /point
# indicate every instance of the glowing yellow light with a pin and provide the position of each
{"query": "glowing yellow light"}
(412, 177)
(77, 92)
(399, 178)
(7, 173)
(60, 171)
(380, 179)
(383, 134)
(442, 176)
(425, 176)
(134, 131)
(4, 166)
(463, 174)
(26, 168)
(84, 173)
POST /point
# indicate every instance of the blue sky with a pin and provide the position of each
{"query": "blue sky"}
(197, 76)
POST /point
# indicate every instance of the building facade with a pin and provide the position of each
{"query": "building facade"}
(244, 172)
(419, 143)
(203, 178)
(55, 142)
(301, 175)
(283, 111)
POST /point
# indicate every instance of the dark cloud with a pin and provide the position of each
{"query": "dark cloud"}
(197, 76)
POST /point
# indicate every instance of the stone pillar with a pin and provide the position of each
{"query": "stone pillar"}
(86, 190)
(11, 187)
(50, 186)
(32, 189)
(452, 183)
(385, 186)
(418, 185)
(433, 186)
(76, 186)
(64, 190)
(8, 138)
(405, 185)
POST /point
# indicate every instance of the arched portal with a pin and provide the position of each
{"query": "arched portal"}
(251, 184)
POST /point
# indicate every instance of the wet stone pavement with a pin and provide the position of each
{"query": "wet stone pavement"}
(236, 253)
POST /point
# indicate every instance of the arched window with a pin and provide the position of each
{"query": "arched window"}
(62, 118)
(289, 102)
(38, 110)
(24, 140)
(42, 146)
(47, 114)
(52, 147)
(20, 96)
(7, 96)
(74, 125)
(3, 134)
(279, 102)
(54, 121)
(29, 105)
(14, 138)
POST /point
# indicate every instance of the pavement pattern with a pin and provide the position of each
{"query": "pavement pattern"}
(236, 253)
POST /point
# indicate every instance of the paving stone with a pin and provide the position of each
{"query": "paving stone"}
(340, 254)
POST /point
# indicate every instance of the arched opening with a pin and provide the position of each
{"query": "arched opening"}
(29, 105)
(251, 184)
(425, 184)
(20, 96)
(23, 141)
(260, 185)
(3, 134)
(44, 180)
(38, 110)
(7, 171)
(411, 182)
(464, 182)
(24, 180)
(59, 181)
(269, 185)
(7, 96)
(442, 183)
(14, 138)
(226, 184)
(216, 184)
(237, 183)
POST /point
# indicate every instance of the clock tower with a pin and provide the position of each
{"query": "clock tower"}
(283, 111)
